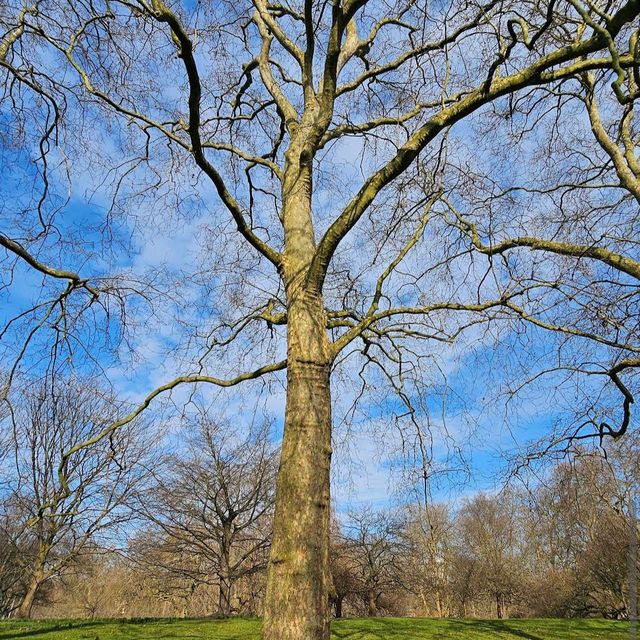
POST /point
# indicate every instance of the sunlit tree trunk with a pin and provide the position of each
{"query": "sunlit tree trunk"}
(297, 598)
(37, 578)
(24, 611)
(439, 608)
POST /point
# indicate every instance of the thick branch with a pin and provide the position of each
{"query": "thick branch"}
(280, 35)
(373, 317)
(625, 164)
(617, 261)
(537, 73)
(614, 374)
(284, 105)
(185, 47)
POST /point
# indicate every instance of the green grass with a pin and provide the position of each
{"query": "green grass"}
(372, 629)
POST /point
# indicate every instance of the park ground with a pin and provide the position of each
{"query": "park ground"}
(354, 629)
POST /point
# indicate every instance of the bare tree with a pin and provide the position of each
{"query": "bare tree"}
(578, 525)
(427, 563)
(489, 534)
(344, 572)
(464, 585)
(12, 579)
(566, 232)
(375, 546)
(361, 260)
(57, 517)
(212, 508)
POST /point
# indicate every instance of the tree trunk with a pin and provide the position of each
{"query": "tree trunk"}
(224, 598)
(226, 581)
(439, 604)
(24, 610)
(338, 606)
(297, 596)
(296, 603)
(372, 604)
(499, 608)
(425, 604)
(38, 577)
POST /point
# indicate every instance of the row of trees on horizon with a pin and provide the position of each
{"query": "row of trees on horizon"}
(146, 531)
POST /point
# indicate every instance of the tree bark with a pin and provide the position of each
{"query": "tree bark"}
(224, 598)
(24, 610)
(297, 596)
(372, 605)
(439, 604)
(226, 580)
(38, 576)
(296, 605)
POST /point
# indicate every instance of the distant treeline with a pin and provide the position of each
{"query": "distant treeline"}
(136, 533)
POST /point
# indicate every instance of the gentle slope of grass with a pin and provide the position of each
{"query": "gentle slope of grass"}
(370, 629)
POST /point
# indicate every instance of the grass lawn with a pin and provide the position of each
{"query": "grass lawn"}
(371, 629)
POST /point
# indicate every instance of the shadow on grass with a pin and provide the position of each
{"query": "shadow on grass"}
(500, 627)
(16, 632)
(346, 629)
(393, 629)
(381, 629)
(130, 628)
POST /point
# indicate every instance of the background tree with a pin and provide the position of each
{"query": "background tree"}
(465, 586)
(359, 261)
(211, 509)
(578, 525)
(428, 562)
(489, 534)
(12, 578)
(344, 578)
(375, 549)
(57, 517)
(571, 529)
